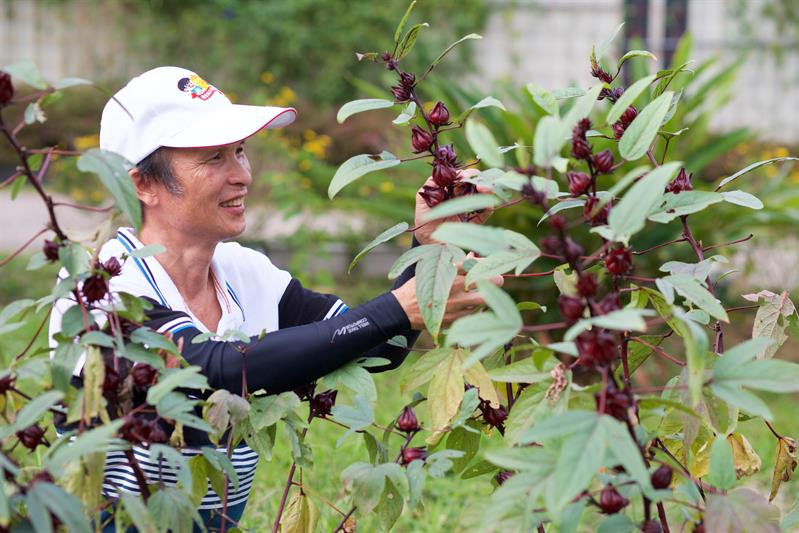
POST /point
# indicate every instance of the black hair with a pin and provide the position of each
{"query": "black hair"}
(157, 168)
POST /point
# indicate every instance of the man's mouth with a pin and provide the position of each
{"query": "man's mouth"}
(234, 202)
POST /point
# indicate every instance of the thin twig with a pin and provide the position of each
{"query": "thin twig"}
(545, 327)
(530, 274)
(779, 437)
(85, 207)
(35, 335)
(19, 250)
(642, 252)
(658, 350)
(706, 248)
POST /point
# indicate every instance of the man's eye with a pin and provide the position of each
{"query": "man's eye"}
(240, 150)
(216, 157)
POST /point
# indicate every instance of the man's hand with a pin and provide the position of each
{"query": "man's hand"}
(425, 230)
(461, 302)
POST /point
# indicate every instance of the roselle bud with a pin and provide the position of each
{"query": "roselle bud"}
(494, 417)
(412, 454)
(322, 403)
(618, 261)
(502, 476)
(603, 161)
(111, 383)
(611, 94)
(6, 382)
(420, 139)
(571, 308)
(143, 375)
(31, 436)
(113, 267)
(407, 421)
(50, 250)
(157, 434)
(42, 476)
(596, 347)
(572, 250)
(135, 430)
(651, 526)
(681, 183)
(407, 80)
(610, 501)
(583, 125)
(447, 154)
(609, 303)
(443, 173)
(6, 88)
(661, 478)
(551, 244)
(95, 288)
(557, 222)
(596, 217)
(433, 195)
(578, 182)
(587, 284)
(617, 403)
(401, 94)
(581, 149)
(699, 527)
(599, 73)
(439, 115)
(629, 115)
(305, 392)
(533, 195)
(618, 129)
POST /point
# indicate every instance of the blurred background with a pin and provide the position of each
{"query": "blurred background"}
(740, 103)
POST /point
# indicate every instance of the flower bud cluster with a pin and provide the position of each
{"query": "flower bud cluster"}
(322, 404)
(680, 183)
(6, 88)
(621, 125)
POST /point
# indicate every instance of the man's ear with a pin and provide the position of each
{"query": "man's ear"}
(145, 189)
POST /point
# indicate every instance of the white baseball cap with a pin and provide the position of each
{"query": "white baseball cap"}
(172, 106)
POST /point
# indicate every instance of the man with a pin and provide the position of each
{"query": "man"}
(191, 176)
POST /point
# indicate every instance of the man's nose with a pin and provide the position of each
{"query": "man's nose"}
(241, 174)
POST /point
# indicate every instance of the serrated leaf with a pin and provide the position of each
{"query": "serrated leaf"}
(642, 131)
(621, 320)
(684, 203)
(482, 239)
(483, 143)
(423, 369)
(357, 166)
(628, 98)
(171, 378)
(268, 410)
(358, 416)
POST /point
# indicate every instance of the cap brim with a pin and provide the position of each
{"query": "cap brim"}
(230, 124)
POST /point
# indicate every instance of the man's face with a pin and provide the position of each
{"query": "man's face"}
(214, 183)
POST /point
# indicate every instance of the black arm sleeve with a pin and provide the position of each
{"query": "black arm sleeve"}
(290, 357)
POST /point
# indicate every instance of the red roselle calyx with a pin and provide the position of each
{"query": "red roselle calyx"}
(609, 303)
(143, 375)
(443, 173)
(111, 383)
(6, 88)
(571, 308)
(412, 454)
(157, 434)
(447, 155)
(407, 421)
(580, 147)
(95, 288)
(617, 402)
(572, 251)
(433, 195)
(681, 183)
(578, 182)
(50, 250)
(322, 403)
(135, 430)
(618, 261)
(587, 284)
(621, 125)
(31, 436)
(407, 80)
(421, 140)
(651, 526)
(502, 476)
(494, 417)
(699, 527)
(600, 216)
(610, 501)
(401, 93)
(603, 161)
(6, 382)
(596, 347)
(611, 94)
(113, 267)
(439, 115)
(598, 72)
(661, 478)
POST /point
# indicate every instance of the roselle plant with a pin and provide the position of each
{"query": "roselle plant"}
(582, 440)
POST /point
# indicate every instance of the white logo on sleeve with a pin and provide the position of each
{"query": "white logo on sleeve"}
(349, 328)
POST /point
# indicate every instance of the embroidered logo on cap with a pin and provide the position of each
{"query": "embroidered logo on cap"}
(197, 87)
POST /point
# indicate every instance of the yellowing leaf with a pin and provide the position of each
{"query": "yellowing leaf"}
(477, 376)
(699, 465)
(300, 516)
(93, 378)
(771, 319)
(746, 460)
(785, 464)
(446, 391)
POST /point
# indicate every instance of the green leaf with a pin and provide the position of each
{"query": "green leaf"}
(112, 169)
(268, 410)
(354, 377)
(153, 340)
(171, 378)
(359, 106)
(559, 426)
(17, 185)
(447, 50)
(422, 370)
(26, 71)
(94, 440)
(461, 204)
(617, 523)
(743, 199)
(389, 508)
(66, 83)
(32, 411)
(634, 53)
(357, 166)
(406, 115)
(628, 98)
(639, 136)
(137, 511)
(401, 25)
(357, 417)
(148, 251)
(691, 289)
(599, 52)
(752, 167)
(621, 319)
(524, 371)
(435, 274)
(580, 110)
(446, 391)
(629, 215)
(547, 141)
(387, 235)
(409, 40)
(676, 205)
(170, 507)
(74, 258)
(543, 99)
(483, 143)
(409, 257)
(482, 239)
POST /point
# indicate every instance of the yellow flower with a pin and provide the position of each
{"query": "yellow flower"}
(267, 77)
(84, 142)
(77, 194)
(386, 186)
(96, 195)
(781, 151)
(309, 135)
(771, 171)
(305, 183)
(795, 176)
(305, 165)
(285, 97)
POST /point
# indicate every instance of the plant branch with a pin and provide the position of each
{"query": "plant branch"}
(19, 250)
(706, 248)
(674, 241)
(658, 350)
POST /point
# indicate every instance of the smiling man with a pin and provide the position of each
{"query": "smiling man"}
(191, 175)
